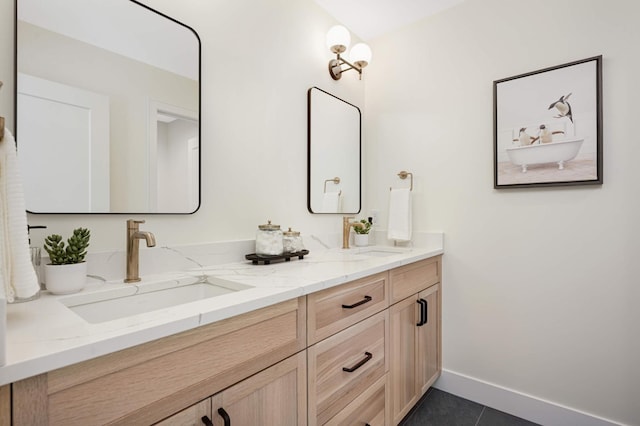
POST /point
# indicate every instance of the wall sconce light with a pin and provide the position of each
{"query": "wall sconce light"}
(338, 39)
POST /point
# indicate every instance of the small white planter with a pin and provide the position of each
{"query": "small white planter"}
(361, 240)
(65, 279)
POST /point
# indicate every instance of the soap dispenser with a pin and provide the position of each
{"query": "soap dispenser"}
(36, 255)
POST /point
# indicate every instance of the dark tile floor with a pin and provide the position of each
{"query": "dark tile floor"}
(438, 408)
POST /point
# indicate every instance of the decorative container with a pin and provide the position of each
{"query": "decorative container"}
(269, 240)
(65, 279)
(361, 240)
(292, 241)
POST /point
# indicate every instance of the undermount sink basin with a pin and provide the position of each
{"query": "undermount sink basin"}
(147, 297)
(381, 251)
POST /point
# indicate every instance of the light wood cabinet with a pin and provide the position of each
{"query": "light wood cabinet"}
(429, 339)
(334, 309)
(368, 408)
(274, 397)
(192, 416)
(415, 340)
(345, 365)
(150, 382)
(410, 279)
(5, 405)
(356, 354)
(403, 354)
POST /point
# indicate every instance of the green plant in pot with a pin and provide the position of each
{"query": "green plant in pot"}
(67, 271)
(364, 228)
(361, 238)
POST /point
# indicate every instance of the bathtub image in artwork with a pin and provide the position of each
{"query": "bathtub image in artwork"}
(547, 127)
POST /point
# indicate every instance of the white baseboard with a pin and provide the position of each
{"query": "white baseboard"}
(516, 403)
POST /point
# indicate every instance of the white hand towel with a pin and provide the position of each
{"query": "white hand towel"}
(17, 276)
(331, 202)
(399, 228)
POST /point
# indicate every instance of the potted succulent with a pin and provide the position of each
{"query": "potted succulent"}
(67, 272)
(361, 239)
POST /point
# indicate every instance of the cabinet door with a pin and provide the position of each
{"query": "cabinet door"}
(192, 416)
(403, 357)
(429, 344)
(276, 396)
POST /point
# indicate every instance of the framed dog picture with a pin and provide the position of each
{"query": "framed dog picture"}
(547, 126)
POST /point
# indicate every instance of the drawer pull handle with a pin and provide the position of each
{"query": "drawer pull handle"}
(425, 318)
(206, 421)
(367, 357)
(362, 302)
(422, 322)
(225, 416)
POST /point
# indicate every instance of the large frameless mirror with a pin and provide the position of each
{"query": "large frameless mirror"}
(107, 108)
(334, 142)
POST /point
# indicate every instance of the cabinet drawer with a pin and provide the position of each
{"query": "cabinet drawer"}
(413, 278)
(366, 409)
(335, 309)
(345, 365)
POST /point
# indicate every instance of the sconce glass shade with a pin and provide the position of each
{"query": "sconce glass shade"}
(360, 55)
(338, 39)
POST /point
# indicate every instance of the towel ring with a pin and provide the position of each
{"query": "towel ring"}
(403, 175)
(335, 180)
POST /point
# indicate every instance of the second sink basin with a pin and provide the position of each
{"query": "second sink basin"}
(147, 297)
(381, 251)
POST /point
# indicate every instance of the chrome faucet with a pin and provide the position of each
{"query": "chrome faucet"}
(133, 249)
(346, 228)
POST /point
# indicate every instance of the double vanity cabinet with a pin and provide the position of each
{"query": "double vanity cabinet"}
(359, 353)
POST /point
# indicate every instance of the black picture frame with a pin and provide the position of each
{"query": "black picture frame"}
(547, 126)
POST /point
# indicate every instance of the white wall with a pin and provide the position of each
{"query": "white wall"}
(258, 61)
(541, 286)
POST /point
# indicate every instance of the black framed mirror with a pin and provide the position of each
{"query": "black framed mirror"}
(107, 108)
(334, 154)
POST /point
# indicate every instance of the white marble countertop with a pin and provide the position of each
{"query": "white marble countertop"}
(43, 335)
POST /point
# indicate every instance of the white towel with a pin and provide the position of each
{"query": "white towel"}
(399, 228)
(17, 276)
(331, 202)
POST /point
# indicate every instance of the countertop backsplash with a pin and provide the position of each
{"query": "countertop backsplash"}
(110, 265)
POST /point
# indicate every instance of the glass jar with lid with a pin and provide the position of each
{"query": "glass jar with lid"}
(292, 241)
(269, 240)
